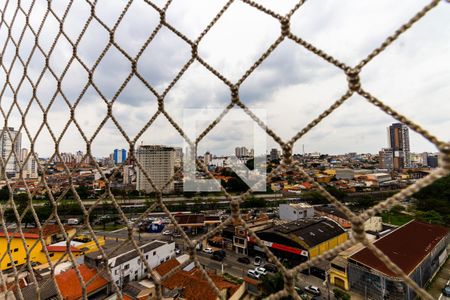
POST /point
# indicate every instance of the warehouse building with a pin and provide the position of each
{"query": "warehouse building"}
(419, 249)
(300, 240)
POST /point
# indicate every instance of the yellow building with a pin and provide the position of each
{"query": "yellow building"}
(338, 275)
(52, 239)
(301, 240)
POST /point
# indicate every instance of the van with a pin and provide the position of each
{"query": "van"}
(72, 221)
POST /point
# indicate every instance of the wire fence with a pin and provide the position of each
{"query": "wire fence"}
(18, 29)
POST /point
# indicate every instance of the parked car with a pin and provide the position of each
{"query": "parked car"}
(446, 290)
(244, 260)
(301, 293)
(176, 234)
(271, 268)
(261, 271)
(253, 274)
(313, 289)
(221, 253)
(257, 261)
(217, 257)
(208, 250)
(167, 232)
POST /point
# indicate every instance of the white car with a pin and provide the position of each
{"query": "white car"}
(208, 250)
(167, 232)
(312, 289)
(261, 271)
(253, 274)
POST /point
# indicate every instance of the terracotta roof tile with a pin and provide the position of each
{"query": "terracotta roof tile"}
(167, 266)
(70, 286)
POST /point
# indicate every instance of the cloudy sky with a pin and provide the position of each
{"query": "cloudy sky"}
(292, 85)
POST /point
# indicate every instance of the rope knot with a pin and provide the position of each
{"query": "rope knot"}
(358, 229)
(234, 93)
(285, 26)
(353, 79)
(194, 50)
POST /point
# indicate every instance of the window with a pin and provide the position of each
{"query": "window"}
(154, 253)
(16, 249)
(146, 257)
(126, 267)
(139, 261)
(51, 254)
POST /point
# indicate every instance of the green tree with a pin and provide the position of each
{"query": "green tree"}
(4, 193)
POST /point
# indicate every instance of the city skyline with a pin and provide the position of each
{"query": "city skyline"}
(293, 85)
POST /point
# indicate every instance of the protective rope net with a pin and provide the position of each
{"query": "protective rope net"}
(18, 32)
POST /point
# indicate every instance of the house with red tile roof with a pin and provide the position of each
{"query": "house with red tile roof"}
(71, 289)
(192, 285)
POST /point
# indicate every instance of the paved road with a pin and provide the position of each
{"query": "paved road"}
(442, 278)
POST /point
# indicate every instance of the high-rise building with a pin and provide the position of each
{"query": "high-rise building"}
(29, 165)
(120, 156)
(178, 157)
(207, 158)
(398, 141)
(433, 160)
(386, 158)
(274, 154)
(8, 144)
(241, 152)
(158, 162)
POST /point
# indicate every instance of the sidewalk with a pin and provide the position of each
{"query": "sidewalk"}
(439, 281)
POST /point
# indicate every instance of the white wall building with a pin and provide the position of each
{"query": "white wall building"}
(295, 211)
(126, 265)
(159, 163)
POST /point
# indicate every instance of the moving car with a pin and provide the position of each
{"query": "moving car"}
(253, 274)
(208, 250)
(244, 260)
(258, 261)
(312, 289)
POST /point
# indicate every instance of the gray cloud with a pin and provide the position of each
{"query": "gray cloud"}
(293, 85)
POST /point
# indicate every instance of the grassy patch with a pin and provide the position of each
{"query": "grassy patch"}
(395, 218)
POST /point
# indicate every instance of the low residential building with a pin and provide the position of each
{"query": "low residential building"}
(196, 222)
(50, 234)
(295, 211)
(417, 248)
(124, 260)
(300, 240)
(192, 285)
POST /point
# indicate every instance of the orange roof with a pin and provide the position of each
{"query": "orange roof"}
(167, 266)
(70, 286)
(195, 286)
(62, 248)
(49, 229)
